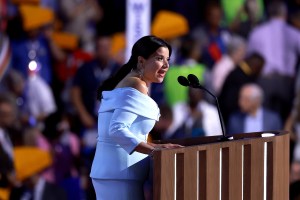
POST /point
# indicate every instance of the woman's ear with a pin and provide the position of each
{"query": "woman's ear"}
(141, 60)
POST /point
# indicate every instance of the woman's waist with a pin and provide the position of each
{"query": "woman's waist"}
(112, 161)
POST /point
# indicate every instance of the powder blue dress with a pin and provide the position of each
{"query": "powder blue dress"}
(125, 118)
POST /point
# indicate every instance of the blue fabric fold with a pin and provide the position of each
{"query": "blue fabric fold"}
(130, 99)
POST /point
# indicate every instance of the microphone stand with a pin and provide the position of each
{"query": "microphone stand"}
(224, 137)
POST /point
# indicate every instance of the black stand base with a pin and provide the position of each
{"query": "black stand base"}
(225, 138)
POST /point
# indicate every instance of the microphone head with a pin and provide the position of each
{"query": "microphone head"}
(193, 80)
(183, 81)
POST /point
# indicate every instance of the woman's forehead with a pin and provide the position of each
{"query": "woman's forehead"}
(163, 51)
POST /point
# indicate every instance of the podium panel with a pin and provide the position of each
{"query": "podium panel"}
(248, 167)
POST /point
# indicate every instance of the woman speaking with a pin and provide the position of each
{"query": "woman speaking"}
(126, 115)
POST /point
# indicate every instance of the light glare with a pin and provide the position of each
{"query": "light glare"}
(32, 65)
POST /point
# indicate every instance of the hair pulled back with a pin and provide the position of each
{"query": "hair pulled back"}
(144, 47)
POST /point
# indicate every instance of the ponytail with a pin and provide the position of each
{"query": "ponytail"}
(112, 82)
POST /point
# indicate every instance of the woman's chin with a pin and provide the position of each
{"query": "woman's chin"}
(159, 80)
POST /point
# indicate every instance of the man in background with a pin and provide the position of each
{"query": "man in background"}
(253, 117)
(279, 43)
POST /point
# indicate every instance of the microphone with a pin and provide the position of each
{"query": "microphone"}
(193, 81)
(183, 81)
(196, 84)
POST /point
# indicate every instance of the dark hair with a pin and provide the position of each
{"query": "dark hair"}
(255, 57)
(277, 8)
(7, 98)
(144, 47)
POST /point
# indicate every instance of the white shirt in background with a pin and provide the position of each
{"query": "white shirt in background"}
(220, 72)
(39, 97)
(210, 121)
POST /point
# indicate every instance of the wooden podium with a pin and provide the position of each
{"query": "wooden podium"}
(251, 166)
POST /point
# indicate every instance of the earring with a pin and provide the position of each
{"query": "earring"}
(140, 71)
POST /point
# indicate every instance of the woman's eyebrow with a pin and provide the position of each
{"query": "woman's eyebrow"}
(162, 56)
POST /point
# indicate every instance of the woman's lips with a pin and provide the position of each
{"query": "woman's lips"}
(161, 73)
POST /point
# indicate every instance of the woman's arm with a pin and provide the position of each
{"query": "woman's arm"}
(120, 133)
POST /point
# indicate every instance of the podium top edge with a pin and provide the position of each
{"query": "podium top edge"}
(218, 138)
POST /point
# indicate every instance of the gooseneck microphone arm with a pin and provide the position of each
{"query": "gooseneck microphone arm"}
(193, 81)
(219, 110)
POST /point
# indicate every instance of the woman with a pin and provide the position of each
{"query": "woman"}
(126, 116)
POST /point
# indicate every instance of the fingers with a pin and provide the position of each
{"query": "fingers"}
(171, 146)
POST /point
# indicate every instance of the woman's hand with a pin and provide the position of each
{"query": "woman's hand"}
(149, 148)
(163, 146)
(166, 146)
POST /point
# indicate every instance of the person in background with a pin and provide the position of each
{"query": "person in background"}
(14, 83)
(189, 52)
(80, 18)
(253, 117)
(247, 17)
(39, 99)
(33, 96)
(236, 53)
(8, 115)
(193, 118)
(86, 80)
(126, 115)
(213, 37)
(189, 56)
(279, 43)
(246, 71)
(31, 44)
(66, 147)
(196, 117)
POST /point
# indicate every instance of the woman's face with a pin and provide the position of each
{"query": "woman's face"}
(156, 66)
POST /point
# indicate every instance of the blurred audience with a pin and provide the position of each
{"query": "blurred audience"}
(80, 18)
(8, 116)
(279, 43)
(197, 117)
(30, 163)
(14, 83)
(253, 117)
(247, 16)
(246, 71)
(193, 118)
(65, 146)
(52, 61)
(39, 99)
(31, 47)
(86, 80)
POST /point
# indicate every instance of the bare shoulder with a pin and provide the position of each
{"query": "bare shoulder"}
(135, 83)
